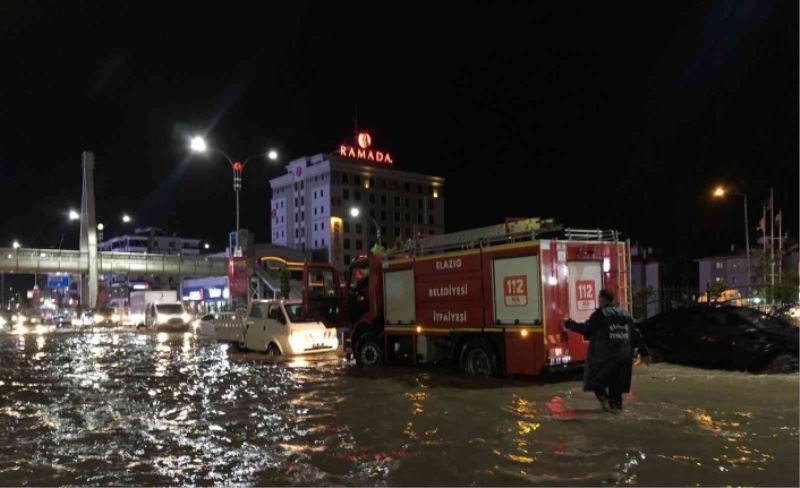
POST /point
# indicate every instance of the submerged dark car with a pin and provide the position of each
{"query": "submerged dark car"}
(723, 337)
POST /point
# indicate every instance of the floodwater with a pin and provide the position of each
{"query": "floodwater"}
(116, 407)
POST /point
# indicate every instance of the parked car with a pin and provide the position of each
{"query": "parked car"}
(5, 321)
(723, 337)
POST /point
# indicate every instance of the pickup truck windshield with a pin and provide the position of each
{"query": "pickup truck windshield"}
(296, 314)
(170, 308)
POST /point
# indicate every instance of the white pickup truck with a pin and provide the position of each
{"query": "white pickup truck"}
(278, 327)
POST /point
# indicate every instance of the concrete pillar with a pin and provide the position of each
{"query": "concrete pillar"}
(88, 242)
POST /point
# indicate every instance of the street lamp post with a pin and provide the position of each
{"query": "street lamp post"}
(198, 144)
(355, 212)
(720, 192)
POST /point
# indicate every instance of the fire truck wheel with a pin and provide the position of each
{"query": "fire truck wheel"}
(479, 359)
(370, 350)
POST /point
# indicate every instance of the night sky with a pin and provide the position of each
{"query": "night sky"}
(594, 114)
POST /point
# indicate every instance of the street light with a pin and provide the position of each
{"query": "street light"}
(126, 218)
(15, 245)
(73, 215)
(206, 246)
(355, 212)
(198, 144)
(720, 192)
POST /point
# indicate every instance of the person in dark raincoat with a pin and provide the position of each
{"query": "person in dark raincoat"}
(613, 340)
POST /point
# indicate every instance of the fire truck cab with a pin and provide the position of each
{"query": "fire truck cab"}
(490, 300)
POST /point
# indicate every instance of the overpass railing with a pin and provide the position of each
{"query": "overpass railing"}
(121, 263)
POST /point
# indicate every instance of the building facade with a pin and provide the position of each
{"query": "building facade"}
(336, 205)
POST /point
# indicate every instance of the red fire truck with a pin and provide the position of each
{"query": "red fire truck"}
(490, 300)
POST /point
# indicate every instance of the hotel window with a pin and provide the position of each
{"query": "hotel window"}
(323, 242)
(346, 244)
(383, 231)
(358, 244)
(315, 210)
(346, 194)
(419, 203)
(315, 226)
(419, 189)
(358, 228)
(315, 195)
(372, 182)
(430, 219)
(407, 187)
(372, 213)
(419, 218)
(346, 226)
(357, 180)
(321, 193)
(371, 198)
(346, 259)
(397, 216)
(396, 201)
(430, 204)
(383, 199)
(408, 203)
(302, 185)
(344, 178)
(357, 195)
(397, 231)
(315, 243)
(322, 226)
(383, 214)
(408, 218)
(302, 200)
(720, 265)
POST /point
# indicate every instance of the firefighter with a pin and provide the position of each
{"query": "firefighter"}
(613, 340)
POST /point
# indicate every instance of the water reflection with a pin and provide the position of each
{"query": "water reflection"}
(126, 408)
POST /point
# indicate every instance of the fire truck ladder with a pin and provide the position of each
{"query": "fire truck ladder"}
(519, 230)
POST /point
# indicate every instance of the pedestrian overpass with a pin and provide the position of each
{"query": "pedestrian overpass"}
(70, 261)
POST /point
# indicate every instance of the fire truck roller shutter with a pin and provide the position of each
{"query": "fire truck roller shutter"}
(399, 297)
(516, 291)
(585, 282)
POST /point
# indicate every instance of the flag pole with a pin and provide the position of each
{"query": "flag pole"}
(771, 238)
(780, 246)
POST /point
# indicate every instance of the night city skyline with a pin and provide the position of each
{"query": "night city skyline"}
(628, 126)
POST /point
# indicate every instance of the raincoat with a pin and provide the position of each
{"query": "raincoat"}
(612, 339)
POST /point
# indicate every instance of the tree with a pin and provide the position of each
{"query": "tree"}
(378, 250)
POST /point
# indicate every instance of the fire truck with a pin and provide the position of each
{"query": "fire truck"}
(490, 300)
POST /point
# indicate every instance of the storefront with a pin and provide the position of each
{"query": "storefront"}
(206, 295)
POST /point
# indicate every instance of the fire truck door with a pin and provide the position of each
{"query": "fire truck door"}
(585, 279)
(321, 293)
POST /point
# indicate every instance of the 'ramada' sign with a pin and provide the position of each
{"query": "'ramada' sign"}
(362, 150)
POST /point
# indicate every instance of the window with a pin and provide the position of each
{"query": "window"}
(372, 213)
(371, 198)
(346, 259)
(720, 265)
(315, 226)
(321, 193)
(296, 233)
(346, 226)
(358, 244)
(358, 228)
(419, 189)
(295, 186)
(430, 204)
(430, 219)
(302, 215)
(346, 244)
(419, 218)
(408, 218)
(323, 242)
(397, 231)
(302, 185)
(397, 216)
(383, 231)
(408, 202)
(383, 199)
(295, 202)
(315, 195)
(315, 243)
(322, 226)
(357, 195)
(356, 180)
(407, 187)
(346, 194)
(383, 214)
(396, 201)
(315, 210)
(372, 182)
(302, 200)
(408, 233)
(419, 204)
(344, 178)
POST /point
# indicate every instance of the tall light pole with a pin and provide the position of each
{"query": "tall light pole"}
(198, 144)
(355, 212)
(719, 192)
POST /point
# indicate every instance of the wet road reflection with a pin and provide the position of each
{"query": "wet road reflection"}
(115, 407)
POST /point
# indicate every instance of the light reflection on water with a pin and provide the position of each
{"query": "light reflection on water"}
(111, 407)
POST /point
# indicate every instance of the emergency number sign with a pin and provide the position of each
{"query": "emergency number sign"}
(585, 294)
(515, 291)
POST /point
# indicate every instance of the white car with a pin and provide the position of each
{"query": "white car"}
(279, 328)
(165, 317)
(204, 326)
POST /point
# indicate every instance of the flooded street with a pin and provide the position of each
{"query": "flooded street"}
(116, 407)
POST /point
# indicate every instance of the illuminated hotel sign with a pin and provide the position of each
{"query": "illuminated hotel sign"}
(362, 150)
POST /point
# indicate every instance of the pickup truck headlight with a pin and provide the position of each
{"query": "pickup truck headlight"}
(97, 318)
(186, 317)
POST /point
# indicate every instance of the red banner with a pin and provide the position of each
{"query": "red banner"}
(237, 275)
